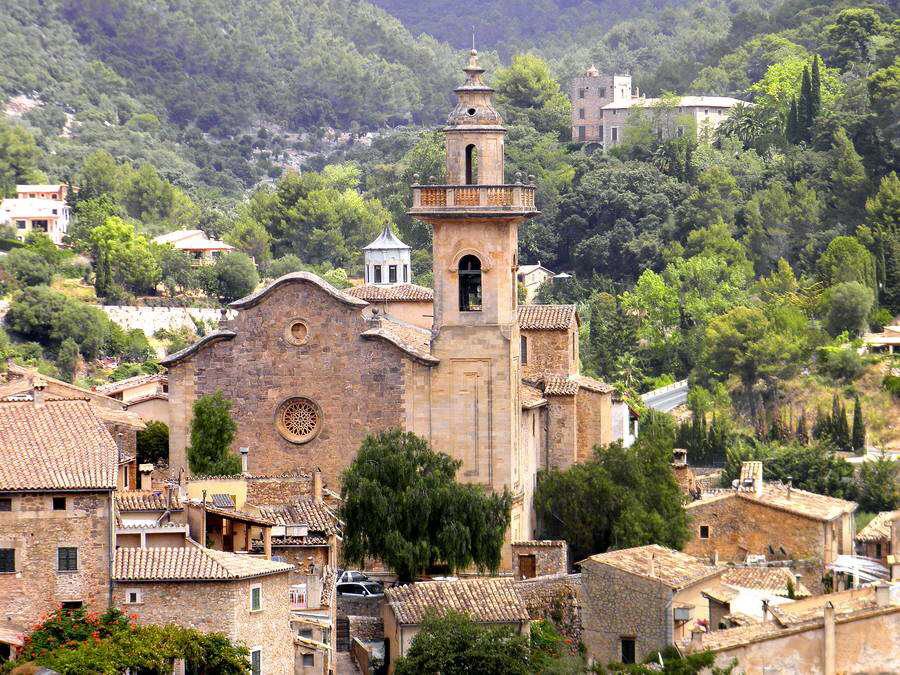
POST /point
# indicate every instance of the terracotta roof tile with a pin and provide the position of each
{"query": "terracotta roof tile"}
(411, 339)
(489, 600)
(879, 528)
(394, 293)
(145, 501)
(561, 385)
(773, 579)
(303, 511)
(190, 563)
(137, 380)
(234, 514)
(530, 397)
(551, 543)
(62, 445)
(547, 317)
(807, 504)
(672, 568)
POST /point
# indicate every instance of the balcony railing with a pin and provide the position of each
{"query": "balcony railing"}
(489, 199)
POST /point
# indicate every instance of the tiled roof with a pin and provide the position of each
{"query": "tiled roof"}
(845, 602)
(546, 317)
(308, 540)
(531, 397)
(137, 380)
(720, 593)
(550, 543)
(393, 293)
(386, 241)
(190, 350)
(773, 579)
(303, 511)
(145, 501)
(235, 514)
(221, 501)
(329, 579)
(879, 528)
(190, 563)
(560, 385)
(672, 568)
(489, 600)
(62, 445)
(411, 339)
(803, 503)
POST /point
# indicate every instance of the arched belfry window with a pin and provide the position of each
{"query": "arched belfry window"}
(469, 284)
(471, 164)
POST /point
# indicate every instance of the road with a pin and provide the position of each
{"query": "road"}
(666, 398)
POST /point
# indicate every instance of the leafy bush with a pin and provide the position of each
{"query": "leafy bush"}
(153, 443)
(892, 384)
(839, 362)
(28, 267)
(233, 276)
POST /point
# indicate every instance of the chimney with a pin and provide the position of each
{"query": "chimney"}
(765, 608)
(829, 639)
(245, 456)
(317, 486)
(790, 480)
(883, 594)
(696, 639)
(37, 394)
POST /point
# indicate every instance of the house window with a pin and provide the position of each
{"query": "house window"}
(255, 598)
(523, 347)
(627, 650)
(405, 273)
(377, 274)
(878, 550)
(133, 596)
(704, 531)
(392, 274)
(580, 133)
(615, 134)
(706, 111)
(305, 633)
(5, 503)
(469, 284)
(21, 224)
(59, 503)
(600, 131)
(256, 661)
(7, 560)
(67, 559)
(72, 605)
(581, 93)
(309, 660)
(581, 113)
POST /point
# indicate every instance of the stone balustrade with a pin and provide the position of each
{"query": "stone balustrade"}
(515, 198)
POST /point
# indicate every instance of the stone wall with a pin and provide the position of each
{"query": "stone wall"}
(594, 421)
(358, 384)
(271, 490)
(550, 556)
(35, 531)
(562, 434)
(618, 605)
(300, 557)
(221, 607)
(549, 351)
(152, 319)
(366, 628)
(555, 598)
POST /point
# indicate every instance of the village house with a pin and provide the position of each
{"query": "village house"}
(878, 539)
(195, 243)
(886, 341)
(145, 395)
(311, 370)
(853, 631)
(245, 597)
(37, 208)
(491, 601)
(150, 519)
(542, 557)
(771, 521)
(745, 594)
(639, 600)
(532, 277)
(58, 469)
(602, 104)
(313, 620)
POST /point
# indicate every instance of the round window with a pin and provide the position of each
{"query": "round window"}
(299, 420)
(296, 332)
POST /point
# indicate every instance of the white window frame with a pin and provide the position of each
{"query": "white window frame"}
(256, 650)
(255, 587)
(139, 596)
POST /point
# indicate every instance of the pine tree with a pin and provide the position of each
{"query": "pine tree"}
(805, 113)
(815, 90)
(858, 436)
(67, 359)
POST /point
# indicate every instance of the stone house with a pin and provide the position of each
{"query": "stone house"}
(639, 600)
(245, 597)
(876, 539)
(771, 520)
(532, 277)
(58, 466)
(312, 370)
(856, 631)
(313, 621)
(150, 519)
(145, 395)
(744, 594)
(540, 558)
(491, 601)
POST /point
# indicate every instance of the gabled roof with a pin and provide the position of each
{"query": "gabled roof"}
(303, 511)
(793, 500)
(879, 528)
(192, 240)
(561, 385)
(488, 600)
(146, 501)
(386, 241)
(190, 563)
(190, 350)
(61, 445)
(669, 567)
(392, 293)
(413, 340)
(297, 278)
(530, 396)
(128, 382)
(772, 579)
(547, 317)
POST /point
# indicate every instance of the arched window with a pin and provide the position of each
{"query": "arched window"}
(469, 284)
(471, 164)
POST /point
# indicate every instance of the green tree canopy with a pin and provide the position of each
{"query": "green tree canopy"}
(153, 443)
(403, 505)
(846, 260)
(18, 158)
(212, 431)
(27, 267)
(527, 93)
(233, 276)
(848, 306)
(122, 258)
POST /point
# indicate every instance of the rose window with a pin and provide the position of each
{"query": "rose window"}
(299, 420)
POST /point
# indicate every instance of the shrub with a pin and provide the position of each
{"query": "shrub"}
(27, 267)
(842, 363)
(892, 384)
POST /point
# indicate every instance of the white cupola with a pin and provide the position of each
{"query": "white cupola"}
(387, 260)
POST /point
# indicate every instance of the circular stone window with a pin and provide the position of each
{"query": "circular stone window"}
(297, 332)
(298, 420)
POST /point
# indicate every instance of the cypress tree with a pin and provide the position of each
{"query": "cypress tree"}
(792, 129)
(815, 90)
(805, 113)
(858, 436)
(840, 430)
(802, 432)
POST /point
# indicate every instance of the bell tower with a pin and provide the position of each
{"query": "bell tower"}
(475, 216)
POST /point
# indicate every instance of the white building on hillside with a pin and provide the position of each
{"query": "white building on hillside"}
(36, 214)
(196, 244)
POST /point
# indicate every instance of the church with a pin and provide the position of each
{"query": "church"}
(311, 370)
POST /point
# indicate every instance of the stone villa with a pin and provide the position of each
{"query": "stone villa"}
(601, 105)
(312, 370)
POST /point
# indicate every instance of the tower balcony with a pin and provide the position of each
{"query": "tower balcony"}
(462, 201)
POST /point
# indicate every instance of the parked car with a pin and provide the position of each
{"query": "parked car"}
(354, 576)
(366, 589)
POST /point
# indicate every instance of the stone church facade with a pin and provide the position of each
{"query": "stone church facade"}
(312, 370)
